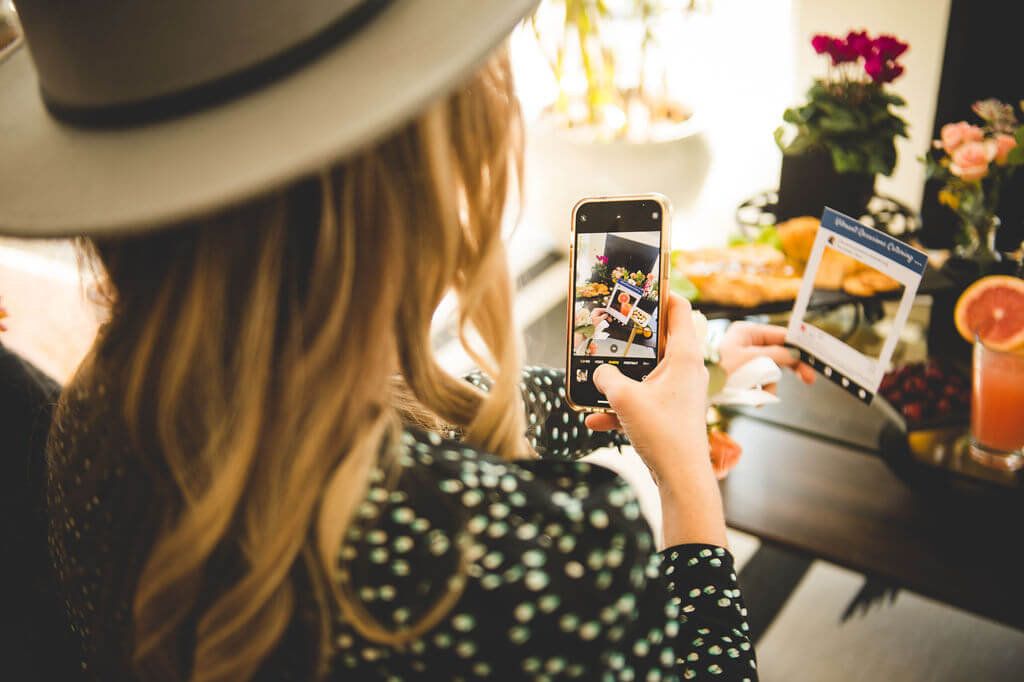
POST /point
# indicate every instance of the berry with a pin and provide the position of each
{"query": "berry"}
(915, 386)
(913, 411)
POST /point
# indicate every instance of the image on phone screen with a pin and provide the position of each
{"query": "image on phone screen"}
(615, 313)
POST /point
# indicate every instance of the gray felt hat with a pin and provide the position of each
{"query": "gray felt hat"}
(119, 116)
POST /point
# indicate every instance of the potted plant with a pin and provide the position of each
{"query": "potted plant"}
(845, 133)
(973, 162)
(611, 124)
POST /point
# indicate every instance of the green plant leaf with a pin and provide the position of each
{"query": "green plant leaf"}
(1016, 155)
(780, 133)
(847, 160)
(684, 287)
(892, 98)
(587, 330)
(844, 122)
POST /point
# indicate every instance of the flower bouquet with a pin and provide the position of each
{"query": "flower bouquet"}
(845, 133)
(972, 162)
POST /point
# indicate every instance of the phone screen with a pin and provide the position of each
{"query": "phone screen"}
(616, 290)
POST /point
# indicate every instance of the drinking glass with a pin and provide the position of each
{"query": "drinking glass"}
(997, 408)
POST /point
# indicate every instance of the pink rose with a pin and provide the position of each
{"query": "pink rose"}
(1004, 143)
(955, 134)
(970, 160)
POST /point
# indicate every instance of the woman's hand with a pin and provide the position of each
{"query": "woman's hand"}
(744, 341)
(665, 419)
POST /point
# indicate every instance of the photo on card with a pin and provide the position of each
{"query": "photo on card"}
(864, 282)
(874, 263)
(623, 299)
(615, 308)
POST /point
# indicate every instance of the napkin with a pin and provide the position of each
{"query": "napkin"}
(743, 387)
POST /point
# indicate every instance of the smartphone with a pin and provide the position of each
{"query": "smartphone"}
(618, 288)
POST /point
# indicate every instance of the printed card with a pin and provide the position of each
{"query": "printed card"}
(884, 263)
(623, 299)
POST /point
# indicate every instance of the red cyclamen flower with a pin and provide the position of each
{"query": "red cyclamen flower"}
(822, 43)
(889, 47)
(835, 48)
(859, 43)
(881, 70)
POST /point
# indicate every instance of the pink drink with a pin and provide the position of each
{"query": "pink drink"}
(997, 407)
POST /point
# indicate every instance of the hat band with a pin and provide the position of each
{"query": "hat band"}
(210, 93)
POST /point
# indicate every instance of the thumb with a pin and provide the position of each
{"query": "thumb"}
(610, 381)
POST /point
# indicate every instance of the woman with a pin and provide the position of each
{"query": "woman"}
(261, 472)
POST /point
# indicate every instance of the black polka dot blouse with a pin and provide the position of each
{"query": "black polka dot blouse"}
(556, 570)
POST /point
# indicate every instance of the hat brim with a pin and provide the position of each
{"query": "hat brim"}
(60, 180)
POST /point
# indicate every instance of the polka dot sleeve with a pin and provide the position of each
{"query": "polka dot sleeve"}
(713, 637)
(554, 429)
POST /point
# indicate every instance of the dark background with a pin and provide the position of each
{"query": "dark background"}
(983, 58)
(631, 254)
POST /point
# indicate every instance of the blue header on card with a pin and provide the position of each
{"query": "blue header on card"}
(877, 241)
(629, 286)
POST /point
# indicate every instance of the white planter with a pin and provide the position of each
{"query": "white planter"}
(561, 167)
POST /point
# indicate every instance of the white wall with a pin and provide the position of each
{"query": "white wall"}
(922, 24)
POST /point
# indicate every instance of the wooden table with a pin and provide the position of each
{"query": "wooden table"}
(837, 502)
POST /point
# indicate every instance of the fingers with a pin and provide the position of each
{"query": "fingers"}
(783, 357)
(603, 422)
(682, 338)
(768, 335)
(753, 334)
(613, 383)
(806, 373)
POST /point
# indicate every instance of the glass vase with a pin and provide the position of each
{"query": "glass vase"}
(976, 242)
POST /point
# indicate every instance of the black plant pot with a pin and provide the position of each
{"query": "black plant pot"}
(809, 182)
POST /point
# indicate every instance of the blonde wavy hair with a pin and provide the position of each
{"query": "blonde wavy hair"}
(265, 356)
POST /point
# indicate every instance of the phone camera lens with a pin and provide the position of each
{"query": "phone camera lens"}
(583, 217)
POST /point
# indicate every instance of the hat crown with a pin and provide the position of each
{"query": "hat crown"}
(102, 54)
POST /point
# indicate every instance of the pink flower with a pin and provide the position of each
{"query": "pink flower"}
(889, 47)
(1004, 143)
(882, 70)
(822, 43)
(835, 48)
(603, 260)
(859, 43)
(725, 452)
(955, 134)
(970, 160)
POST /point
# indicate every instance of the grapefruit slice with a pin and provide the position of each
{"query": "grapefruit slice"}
(993, 308)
